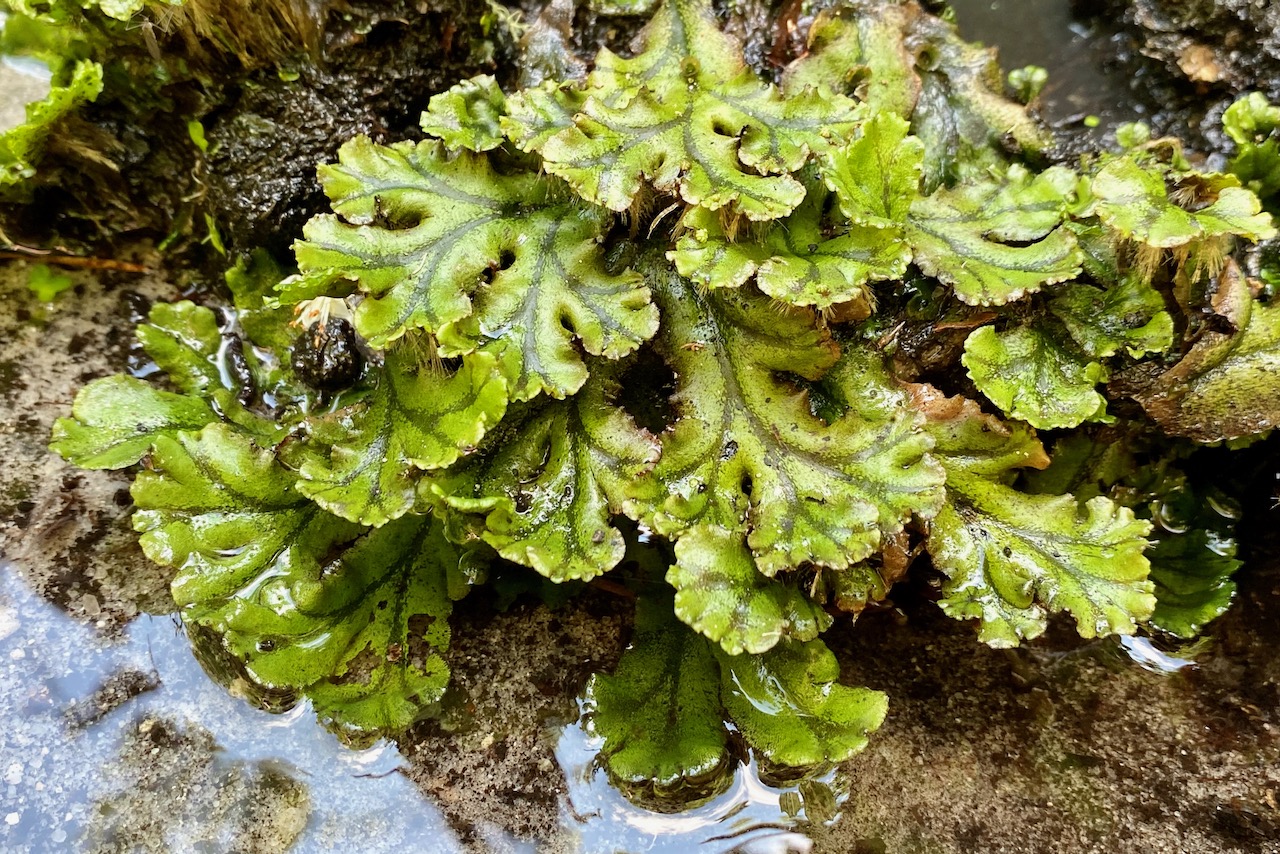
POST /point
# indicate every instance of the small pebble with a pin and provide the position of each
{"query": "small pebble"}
(13, 774)
(12, 818)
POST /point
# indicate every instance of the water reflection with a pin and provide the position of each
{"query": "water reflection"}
(750, 816)
(23, 79)
(94, 757)
(1150, 657)
(128, 744)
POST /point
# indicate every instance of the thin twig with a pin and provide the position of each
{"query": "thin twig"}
(612, 587)
(76, 261)
(967, 322)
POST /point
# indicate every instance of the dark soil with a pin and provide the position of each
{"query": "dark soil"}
(1189, 59)
(269, 135)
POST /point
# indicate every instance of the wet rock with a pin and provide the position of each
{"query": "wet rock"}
(327, 357)
(1100, 757)
(62, 525)
(545, 51)
(120, 688)
(185, 797)
(515, 675)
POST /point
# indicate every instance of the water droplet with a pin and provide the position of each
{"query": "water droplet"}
(1147, 656)
(1225, 507)
(1167, 516)
(1220, 545)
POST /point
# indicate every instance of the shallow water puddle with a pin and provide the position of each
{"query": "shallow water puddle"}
(747, 817)
(128, 743)
(179, 764)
